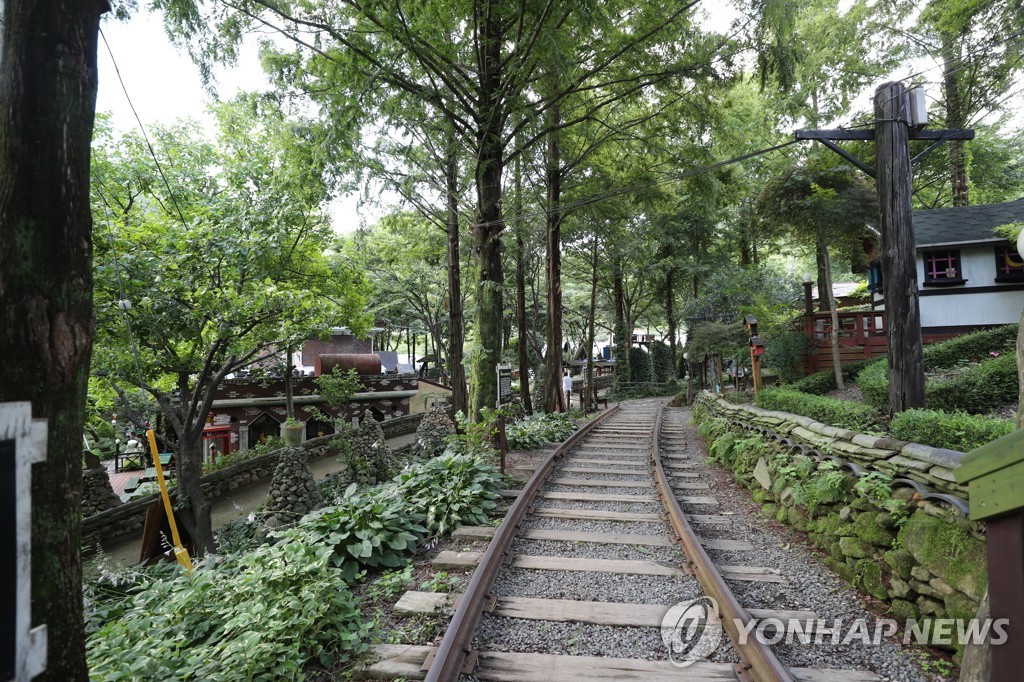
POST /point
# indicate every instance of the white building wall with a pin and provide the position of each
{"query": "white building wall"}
(957, 305)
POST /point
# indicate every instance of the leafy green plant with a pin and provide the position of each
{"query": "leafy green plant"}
(974, 346)
(441, 582)
(452, 489)
(953, 430)
(538, 429)
(390, 583)
(840, 413)
(338, 387)
(824, 382)
(372, 528)
(875, 487)
(977, 388)
(260, 616)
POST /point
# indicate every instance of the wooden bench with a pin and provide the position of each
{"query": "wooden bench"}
(132, 485)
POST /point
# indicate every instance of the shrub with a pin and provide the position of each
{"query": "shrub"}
(823, 382)
(661, 361)
(842, 413)
(952, 430)
(976, 345)
(261, 616)
(452, 489)
(640, 368)
(977, 388)
(538, 429)
(874, 385)
(371, 528)
(738, 397)
(783, 352)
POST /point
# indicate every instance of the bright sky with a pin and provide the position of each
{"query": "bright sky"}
(165, 85)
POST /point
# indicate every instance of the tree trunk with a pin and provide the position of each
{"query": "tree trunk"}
(622, 334)
(554, 397)
(670, 313)
(955, 117)
(289, 389)
(48, 95)
(487, 234)
(588, 400)
(521, 323)
(456, 324)
(825, 293)
(822, 264)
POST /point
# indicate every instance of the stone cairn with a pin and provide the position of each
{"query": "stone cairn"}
(97, 493)
(435, 427)
(368, 453)
(293, 492)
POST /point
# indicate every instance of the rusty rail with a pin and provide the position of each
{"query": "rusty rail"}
(759, 661)
(453, 653)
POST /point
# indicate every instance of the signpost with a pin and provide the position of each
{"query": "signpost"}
(22, 442)
(504, 384)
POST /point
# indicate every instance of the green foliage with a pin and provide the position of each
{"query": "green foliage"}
(661, 361)
(873, 381)
(338, 387)
(738, 397)
(977, 388)
(727, 340)
(970, 387)
(452, 489)
(823, 382)
(260, 616)
(783, 352)
(371, 528)
(974, 346)
(538, 429)
(952, 430)
(875, 487)
(640, 366)
(842, 413)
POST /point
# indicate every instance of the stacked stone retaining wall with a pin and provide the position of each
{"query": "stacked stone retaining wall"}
(131, 516)
(916, 550)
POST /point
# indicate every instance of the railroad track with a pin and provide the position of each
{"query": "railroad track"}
(600, 571)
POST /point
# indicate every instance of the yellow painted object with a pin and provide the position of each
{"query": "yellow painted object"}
(180, 553)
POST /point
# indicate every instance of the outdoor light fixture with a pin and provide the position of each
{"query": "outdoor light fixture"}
(807, 278)
(1020, 243)
(124, 304)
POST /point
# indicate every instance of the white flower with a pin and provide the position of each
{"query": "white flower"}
(251, 518)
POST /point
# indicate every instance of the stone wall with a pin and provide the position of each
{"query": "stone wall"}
(931, 467)
(901, 543)
(130, 517)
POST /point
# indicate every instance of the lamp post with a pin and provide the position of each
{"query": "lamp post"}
(808, 295)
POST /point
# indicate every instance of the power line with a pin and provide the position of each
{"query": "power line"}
(636, 188)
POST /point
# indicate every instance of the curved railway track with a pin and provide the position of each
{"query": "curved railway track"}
(627, 470)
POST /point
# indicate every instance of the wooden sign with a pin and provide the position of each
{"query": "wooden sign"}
(22, 442)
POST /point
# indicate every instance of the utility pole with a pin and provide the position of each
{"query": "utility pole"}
(900, 116)
(899, 255)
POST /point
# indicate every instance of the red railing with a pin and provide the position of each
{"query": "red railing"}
(861, 337)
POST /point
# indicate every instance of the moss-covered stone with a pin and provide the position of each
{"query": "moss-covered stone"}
(902, 610)
(827, 525)
(959, 605)
(920, 573)
(929, 606)
(797, 518)
(854, 548)
(782, 515)
(898, 588)
(900, 561)
(956, 557)
(769, 511)
(836, 551)
(842, 569)
(869, 578)
(862, 504)
(868, 529)
(761, 496)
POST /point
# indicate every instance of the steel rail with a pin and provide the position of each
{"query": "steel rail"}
(456, 645)
(759, 661)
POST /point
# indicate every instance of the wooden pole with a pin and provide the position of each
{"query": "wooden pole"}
(755, 369)
(899, 255)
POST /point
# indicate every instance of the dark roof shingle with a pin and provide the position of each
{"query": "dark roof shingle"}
(964, 223)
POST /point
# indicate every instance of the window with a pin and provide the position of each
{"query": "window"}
(1009, 264)
(942, 268)
(875, 277)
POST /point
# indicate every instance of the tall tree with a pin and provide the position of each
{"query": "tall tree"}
(48, 91)
(222, 255)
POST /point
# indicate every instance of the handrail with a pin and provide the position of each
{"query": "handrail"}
(455, 646)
